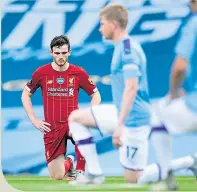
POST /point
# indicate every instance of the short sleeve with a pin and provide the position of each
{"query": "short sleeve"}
(185, 45)
(130, 60)
(33, 84)
(86, 82)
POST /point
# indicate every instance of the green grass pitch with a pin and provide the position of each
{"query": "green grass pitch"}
(38, 183)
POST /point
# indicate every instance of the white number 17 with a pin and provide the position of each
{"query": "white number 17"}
(131, 151)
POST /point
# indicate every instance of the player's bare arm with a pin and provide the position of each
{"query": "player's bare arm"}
(39, 124)
(96, 98)
(90, 88)
(127, 101)
(177, 77)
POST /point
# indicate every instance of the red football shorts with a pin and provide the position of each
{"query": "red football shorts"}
(55, 141)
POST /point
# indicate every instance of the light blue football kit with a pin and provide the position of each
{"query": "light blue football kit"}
(129, 61)
(175, 116)
(180, 115)
(187, 49)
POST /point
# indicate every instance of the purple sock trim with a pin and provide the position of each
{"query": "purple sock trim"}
(85, 141)
(160, 129)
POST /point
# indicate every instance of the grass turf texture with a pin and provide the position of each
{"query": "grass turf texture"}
(38, 183)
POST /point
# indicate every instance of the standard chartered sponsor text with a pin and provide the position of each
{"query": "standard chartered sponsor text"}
(60, 92)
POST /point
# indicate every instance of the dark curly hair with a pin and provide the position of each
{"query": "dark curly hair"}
(59, 41)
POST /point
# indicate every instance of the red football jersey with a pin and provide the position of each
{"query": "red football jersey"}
(60, 90)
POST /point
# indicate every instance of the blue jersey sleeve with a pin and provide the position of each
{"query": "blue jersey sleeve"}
(185, 45)
(130, 61)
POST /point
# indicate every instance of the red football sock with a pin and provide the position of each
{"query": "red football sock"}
(67, 164)
(80, 160)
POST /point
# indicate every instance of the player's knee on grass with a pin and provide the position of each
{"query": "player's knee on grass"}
(58, 175)
(56, 168)
(130, 179)
(131, 176)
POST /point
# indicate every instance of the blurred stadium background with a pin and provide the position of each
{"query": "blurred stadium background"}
(27, 29)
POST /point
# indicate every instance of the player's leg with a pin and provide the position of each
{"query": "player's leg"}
(70, 172)
(79, 121)
(55, 149)
(161, 141)
(151, 173)
(179, 120)
(80, 166)
(134, 152)
(59, 167)
(182, 119)
(102, 117)
(187, 162)
(95, 117)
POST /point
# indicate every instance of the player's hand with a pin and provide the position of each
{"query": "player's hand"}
(117, 135)
(41, 125)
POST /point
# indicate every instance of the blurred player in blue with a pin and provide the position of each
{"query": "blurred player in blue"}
(179, 113)
(129, 118)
